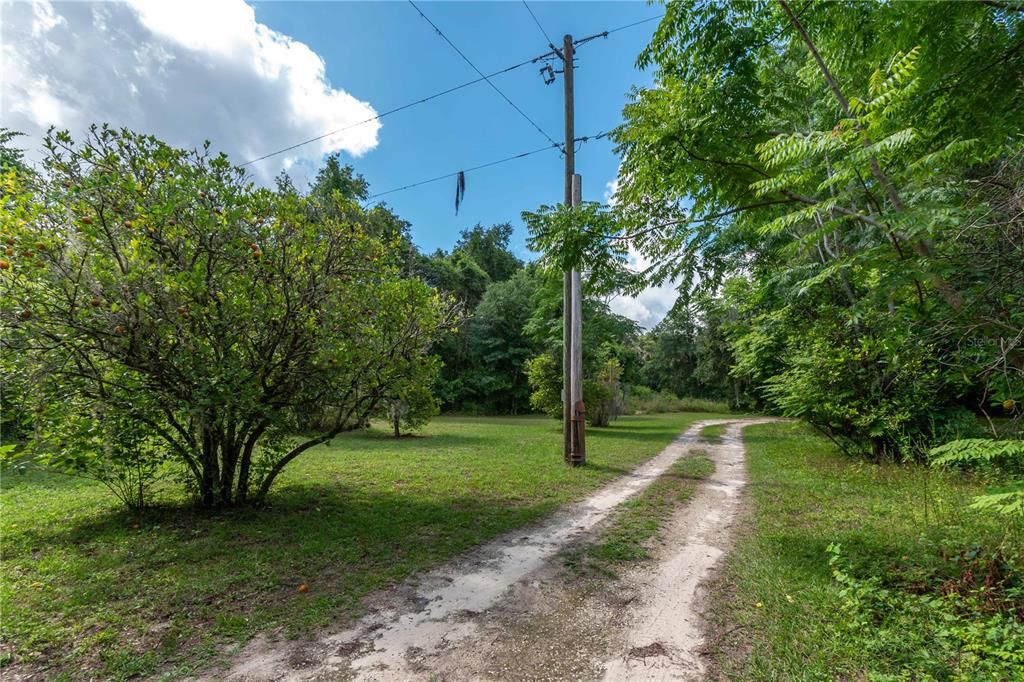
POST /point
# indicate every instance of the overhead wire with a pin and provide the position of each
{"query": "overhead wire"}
(403, 107)
(485, 78)
(482, 78)
(582, 140)
(551, 43)
(605, 34)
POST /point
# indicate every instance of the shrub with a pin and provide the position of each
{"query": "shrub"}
(928, 633)
(161, 306)
(1002, 460)
(603, 394)
(643, 400)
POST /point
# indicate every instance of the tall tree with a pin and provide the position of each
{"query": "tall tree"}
(500, 346)
(489, 247)
(833, 154)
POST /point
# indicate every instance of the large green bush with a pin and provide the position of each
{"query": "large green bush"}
(159, 306)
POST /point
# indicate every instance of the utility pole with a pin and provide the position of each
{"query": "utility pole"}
(573, 441)
(570, 170)
(578, 448)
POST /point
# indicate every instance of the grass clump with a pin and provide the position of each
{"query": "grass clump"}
(640, 518)
(712, 433)
(859, 571)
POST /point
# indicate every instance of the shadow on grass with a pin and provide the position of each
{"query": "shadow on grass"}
(298, 515)
(616, 470)
(379, 439)
(232, 573)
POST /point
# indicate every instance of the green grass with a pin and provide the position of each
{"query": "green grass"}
(90, 591)
(636, 521)
(712, 433)
(931, 588)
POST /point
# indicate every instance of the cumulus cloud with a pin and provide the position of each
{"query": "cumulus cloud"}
(610, 188)
(184, 70)
(650, 306)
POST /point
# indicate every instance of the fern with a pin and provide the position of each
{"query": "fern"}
(1007, 500)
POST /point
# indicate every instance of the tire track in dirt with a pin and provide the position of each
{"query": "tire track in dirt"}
(455, 622)
(665, 626)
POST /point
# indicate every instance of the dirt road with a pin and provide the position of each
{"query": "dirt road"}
(507, 611)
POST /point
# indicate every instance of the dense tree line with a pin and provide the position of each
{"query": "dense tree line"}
(506, 356)
(159, 307)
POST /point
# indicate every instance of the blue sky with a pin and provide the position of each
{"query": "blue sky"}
(253, 78)
(386, 54)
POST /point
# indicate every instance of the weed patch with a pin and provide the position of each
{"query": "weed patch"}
(851, 570)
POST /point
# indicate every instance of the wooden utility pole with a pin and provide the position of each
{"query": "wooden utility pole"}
(572, 395)
(570, 170)
(577, 448)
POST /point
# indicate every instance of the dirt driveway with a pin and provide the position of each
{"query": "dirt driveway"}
(507, 610)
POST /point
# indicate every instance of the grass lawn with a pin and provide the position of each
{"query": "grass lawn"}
(89, 591)
(927, 589)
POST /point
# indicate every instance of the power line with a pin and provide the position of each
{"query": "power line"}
(605, 34)
(467, 170)
(482, 78)
(408, 105)
(485, 78)
(551, 44)
(583, 139)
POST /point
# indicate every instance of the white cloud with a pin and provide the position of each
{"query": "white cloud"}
(610, 188)
(184, 70)
(650, 306)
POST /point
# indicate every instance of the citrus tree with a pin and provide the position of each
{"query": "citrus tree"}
(159, 306)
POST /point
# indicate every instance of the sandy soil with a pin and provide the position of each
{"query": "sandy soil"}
(508, 611)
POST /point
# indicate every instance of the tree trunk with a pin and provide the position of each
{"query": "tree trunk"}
(396, 423)
(878, 450)
(209, 483)
(229, 462)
